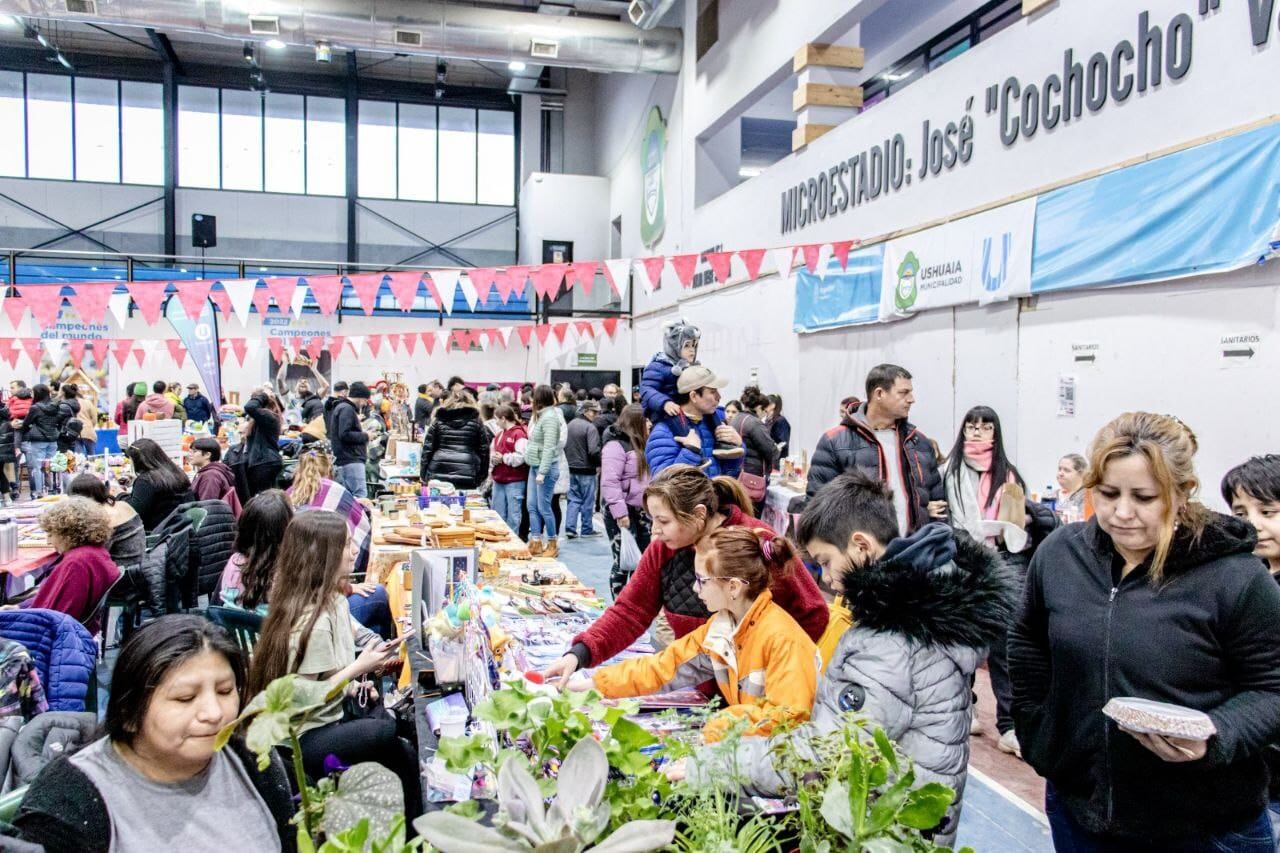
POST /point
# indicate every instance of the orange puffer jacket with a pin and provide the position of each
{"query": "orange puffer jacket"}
(765, 666)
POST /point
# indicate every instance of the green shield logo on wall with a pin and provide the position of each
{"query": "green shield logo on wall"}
(905, 294)
(653, 205)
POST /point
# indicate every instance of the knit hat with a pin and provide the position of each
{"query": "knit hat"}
(675, 333)
(140, 389)
(359, 391)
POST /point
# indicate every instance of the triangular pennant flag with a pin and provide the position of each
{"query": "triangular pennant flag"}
(547, 279)
(783, 261)
(810, 251)
(392, 341)
(32, 348)
(240, 347)
(469, 292)
(446, 288)
(684, 266)
(519, 277)
(525, 332)
(840, 249)
(120, 349)
(404, 287)
(192, 295)
(429, 341)
(366, 286)
(7, 352)
(502, 284)
(119, 305)
(327, 292)
(481, 337)
(139, 355)
(91, 300)
(542, 331)
(482, 279)
(610, 326)
(177, 351)
(618, 273)
(241, 291)
(442, 339)
(410, 341)
(495, 337)
(752, 260)
(282, 290)
(76, 350)
(375, 345)
(461, 339)
(45, 301)
(585, 329)
(653, 269)
(223, 351)
(315, 347)
(14, 308)
(299, 299)
(335, 346)
(505, 331)
(277, 348)
(221, 299)
(560, 329)
(720, 263)
(262, 301)
(356, 342)
(149, 296)
(582, 274)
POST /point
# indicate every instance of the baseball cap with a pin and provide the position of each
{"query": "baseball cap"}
(359, 391)
(191, 386)
(696, 376)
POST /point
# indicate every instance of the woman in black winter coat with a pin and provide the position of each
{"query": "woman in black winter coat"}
(8, 456)
(1157, 598)
(456, 446)
(159, 487)
(40, 430)
(261, 456)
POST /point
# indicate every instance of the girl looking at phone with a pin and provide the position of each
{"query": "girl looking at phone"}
(309, 631)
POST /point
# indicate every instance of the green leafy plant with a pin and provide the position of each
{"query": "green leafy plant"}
(577, 818)
(363, 810)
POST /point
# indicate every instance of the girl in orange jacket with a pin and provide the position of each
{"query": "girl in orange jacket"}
(763, 662)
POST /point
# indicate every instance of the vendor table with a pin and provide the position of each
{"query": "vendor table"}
(782, 506)
(23, 573)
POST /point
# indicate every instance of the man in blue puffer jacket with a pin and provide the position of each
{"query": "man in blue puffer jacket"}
(698, 435)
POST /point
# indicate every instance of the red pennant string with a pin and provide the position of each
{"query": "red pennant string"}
(282, 290)
(428, 341)
(14, 308)
(91, 300)
(177, 351)
(610, 325)
(192, 295)
(149, 295)
(720, 263)
(483, 279)
(542, 331)
(840, 250)
(585, 327)
(45, 301)
(315, 347)
(525, 333)
(327, 291)
(277, 348)
(517, 277)
(547, 279)
(366, 286)
(261, 300)
(811, 252)
(76, 350)
(583, 274)
(120, 349)
(240, 347)
(653, 269)
(404, 287)
(752, 259)
(561, 329)
(684, 265)
(222, 299)
(138, 355)
(410, 342)
(375, 344)
(335, 346)
(460, 339)
(7, 352)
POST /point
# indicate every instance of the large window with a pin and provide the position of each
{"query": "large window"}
(326, 147)
(242, 131)
(424, 153)
(97, 114)
(284, 144)
(13, 143)
(142, 133)
(198, 138)
(49, 127)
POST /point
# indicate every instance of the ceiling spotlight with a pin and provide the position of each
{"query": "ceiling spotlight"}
(442, 71)
(439, 92)
(274, 44)
(247, 53)
(324, 52)
(516, 65)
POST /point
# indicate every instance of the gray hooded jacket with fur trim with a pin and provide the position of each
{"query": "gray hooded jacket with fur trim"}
(924, 615)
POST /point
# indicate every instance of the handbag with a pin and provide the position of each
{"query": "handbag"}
(754, 485)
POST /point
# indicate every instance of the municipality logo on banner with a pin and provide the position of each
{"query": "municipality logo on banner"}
(983, 258)
(653, 146)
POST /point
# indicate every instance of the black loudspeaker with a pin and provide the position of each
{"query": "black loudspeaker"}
(204, 230)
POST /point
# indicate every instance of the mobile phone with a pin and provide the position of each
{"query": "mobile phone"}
(387, 645)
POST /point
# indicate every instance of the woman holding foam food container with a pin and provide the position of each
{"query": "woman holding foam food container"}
(1145, 659)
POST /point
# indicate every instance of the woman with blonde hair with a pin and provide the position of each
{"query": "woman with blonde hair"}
(1158, 598)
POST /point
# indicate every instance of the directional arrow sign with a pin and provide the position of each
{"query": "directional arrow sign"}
(1238, 353)
(1090, 359)
(1085, 352)
(1238, 350)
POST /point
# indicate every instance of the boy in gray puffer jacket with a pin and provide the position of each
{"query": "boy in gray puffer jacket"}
(925, 609)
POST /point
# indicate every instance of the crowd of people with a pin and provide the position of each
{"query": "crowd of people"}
(907, 569)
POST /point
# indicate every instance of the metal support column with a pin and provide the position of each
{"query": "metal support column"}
(353, 153)
(170, 118)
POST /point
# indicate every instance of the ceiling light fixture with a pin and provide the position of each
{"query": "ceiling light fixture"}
(274, 44)
(324, 51)
(516, 65)
(248, 53)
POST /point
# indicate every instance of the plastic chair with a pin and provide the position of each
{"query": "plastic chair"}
(243, 625)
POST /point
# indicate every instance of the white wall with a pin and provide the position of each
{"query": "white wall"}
(564, 207)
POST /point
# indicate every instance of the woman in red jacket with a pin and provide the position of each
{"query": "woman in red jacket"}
(78, 529)
(686, 507)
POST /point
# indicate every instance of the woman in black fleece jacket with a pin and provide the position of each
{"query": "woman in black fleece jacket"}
(1158, 598)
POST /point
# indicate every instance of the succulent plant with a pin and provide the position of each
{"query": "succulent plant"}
(575, 820)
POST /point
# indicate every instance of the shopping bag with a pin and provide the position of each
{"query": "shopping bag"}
(628, 552)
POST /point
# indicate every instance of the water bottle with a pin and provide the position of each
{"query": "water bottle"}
(8, 540)
(1051, 497)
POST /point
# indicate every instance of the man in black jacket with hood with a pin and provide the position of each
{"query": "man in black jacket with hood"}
(878, 440)
(349, 441)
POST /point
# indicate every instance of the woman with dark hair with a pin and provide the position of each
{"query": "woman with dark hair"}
(86, 413)
(247, 578)
(309, 631)
(624, 475)
(40, 430)
(779, 427)
(262, 462)
(1160, 598)
(978, 480)
(156, 780)
(128, 544)
(761, 451)
(542, 455)
(507, 468)
(127, 408)
(159, 485)
(686, 506)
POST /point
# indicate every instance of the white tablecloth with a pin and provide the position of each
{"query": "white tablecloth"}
(777, 503)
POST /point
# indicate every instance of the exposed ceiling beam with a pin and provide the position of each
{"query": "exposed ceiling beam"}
(164, 47)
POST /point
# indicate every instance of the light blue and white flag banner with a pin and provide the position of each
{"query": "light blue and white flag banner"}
(848, 297)
(200, 337)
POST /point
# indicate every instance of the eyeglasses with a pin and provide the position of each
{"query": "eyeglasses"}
(979, 429)
(699, 581)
